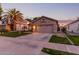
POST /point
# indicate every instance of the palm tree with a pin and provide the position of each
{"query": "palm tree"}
(13, 15)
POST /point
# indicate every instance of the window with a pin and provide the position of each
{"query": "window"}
(3, 21)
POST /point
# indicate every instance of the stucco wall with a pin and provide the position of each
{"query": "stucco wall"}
(73, 27)
(8, 27)
(46, 22)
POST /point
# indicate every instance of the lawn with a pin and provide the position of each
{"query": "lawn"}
(74, 39)
(14, 34)
(56, 52)
(57, 39)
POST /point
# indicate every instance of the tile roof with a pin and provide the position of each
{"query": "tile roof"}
(29, 20)
(38, 18)
(73, 21)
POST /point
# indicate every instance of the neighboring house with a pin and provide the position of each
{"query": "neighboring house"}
(3, 24)
(44, 25)
(7, 24)
(73, 26)
(29, 21)
(21, 25)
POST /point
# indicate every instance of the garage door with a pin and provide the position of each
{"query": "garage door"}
(45, 29)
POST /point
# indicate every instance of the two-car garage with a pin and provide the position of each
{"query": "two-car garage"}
(45, 29)
(45, 25)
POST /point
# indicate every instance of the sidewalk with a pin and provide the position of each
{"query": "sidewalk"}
(60, 34)
(63, 47)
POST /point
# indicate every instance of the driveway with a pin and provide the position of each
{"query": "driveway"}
(36, 36)
(31, 45)
(25, 45)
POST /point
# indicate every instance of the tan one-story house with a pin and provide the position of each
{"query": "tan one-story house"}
(44, 24)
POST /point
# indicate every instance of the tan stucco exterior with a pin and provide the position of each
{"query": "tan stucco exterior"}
(46, 26)
(17, 26)
(8, 27)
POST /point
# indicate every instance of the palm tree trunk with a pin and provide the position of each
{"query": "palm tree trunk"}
(14, 26)
(14, 23)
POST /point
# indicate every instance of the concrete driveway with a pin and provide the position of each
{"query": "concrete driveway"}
(25, 45)
(31, 45)
(36, 37)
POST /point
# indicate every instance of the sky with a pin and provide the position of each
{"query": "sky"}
(57, 11)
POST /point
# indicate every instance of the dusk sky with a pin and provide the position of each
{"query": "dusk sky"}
(57, 11)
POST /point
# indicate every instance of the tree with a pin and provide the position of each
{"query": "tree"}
(14, 16)
(1, 10)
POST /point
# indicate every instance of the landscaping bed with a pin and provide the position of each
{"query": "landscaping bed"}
(14, 34)
(74, 39)
(56, 52)
(57, 39)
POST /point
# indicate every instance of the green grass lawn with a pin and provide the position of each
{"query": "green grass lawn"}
(74, 39)
(14, 34)
(56, 52)
(57, 39)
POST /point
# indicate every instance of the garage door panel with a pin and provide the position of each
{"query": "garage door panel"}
(45, 29)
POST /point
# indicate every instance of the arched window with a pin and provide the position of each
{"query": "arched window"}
(4, 21)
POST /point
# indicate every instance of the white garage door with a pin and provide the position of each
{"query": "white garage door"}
(45, 29)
